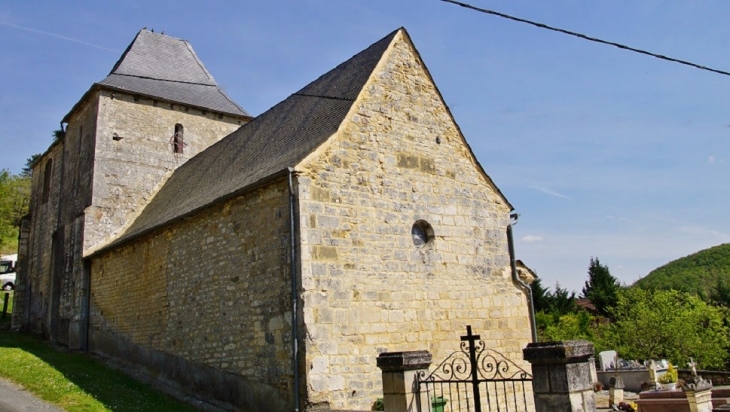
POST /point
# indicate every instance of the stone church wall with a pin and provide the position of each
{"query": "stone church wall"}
(130, 169)
(366, 287)
(78, 165)
(115, 153)
(49, 292)
(44, 211)
(205, 302)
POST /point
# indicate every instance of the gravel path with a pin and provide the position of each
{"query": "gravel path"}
(14, 398)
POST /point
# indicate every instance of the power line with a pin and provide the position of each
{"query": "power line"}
(584, 37)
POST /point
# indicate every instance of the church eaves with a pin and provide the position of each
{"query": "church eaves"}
(161, 67)
(263, 149)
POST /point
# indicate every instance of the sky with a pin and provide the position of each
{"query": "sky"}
(604, 153)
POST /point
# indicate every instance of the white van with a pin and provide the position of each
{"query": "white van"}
(7, 271)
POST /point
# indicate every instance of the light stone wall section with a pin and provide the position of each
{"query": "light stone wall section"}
(213, 289)
(99, 185)
(48, 296)
(43, 224)
(128, 172)
(366, 288)
(78, 163)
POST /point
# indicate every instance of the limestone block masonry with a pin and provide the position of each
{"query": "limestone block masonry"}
(211, 292)
(44, 204)
(113, 157)
(366, 288)
(129, 170)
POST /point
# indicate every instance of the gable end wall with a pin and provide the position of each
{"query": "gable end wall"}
(366, 288)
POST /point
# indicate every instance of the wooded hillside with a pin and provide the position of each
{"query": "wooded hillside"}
(699, 273)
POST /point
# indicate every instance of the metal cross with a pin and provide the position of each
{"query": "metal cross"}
(473, 361)
(469, 337)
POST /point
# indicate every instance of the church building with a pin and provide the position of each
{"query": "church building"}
(263, 263)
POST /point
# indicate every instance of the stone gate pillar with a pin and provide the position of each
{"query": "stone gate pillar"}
(561, 375)
(399, 375)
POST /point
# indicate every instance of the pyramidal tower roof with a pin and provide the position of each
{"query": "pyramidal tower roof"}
(167, 68)
(160, 57)
(266, 148)
(262, 149)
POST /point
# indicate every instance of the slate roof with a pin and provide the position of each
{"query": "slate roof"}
(167, 68)
(262, 149)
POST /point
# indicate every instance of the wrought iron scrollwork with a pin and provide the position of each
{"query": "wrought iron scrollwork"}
(491, 365)
(460, 375)
(454, 368)
(495, 366)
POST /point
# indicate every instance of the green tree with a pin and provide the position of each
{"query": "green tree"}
(562, 302)
(28, 168)
(601, 288)
(14, 200)
(571, 326)
(540, 296)
(697, 273)
(667, 325)
(720, 295)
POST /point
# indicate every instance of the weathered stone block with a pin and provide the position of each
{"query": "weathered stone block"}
(561, 375)
(404, 361)
(324, 253)
(558, 352)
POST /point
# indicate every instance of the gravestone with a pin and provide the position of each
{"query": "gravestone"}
(615, 391)
(606, 359)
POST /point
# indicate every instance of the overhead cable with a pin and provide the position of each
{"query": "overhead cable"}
(589, 38)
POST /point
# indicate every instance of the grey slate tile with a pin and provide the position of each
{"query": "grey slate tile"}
(166, 68)
(267, 146)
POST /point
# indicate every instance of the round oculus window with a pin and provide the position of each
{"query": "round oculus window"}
(419, 236)
(422, 233)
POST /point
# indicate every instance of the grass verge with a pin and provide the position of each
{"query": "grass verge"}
(74, 381)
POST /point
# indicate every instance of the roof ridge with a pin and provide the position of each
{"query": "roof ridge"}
(158, 56)
(197, 60)
(165, 67)
(262, 149)
(323, 97)
(232, 101)
(126, 51)
(164, 80)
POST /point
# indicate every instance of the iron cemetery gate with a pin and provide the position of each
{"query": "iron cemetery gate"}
(474, 378)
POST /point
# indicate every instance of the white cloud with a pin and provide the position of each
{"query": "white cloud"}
(705, 232)
(532, 239)
(58, 36)
(619, 218)
(549, 192)
(711, 159)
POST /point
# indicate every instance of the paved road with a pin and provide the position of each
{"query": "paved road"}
(14, 398)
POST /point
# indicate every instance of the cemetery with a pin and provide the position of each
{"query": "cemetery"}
(565, 376)
(659, 386)
(632, 373)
